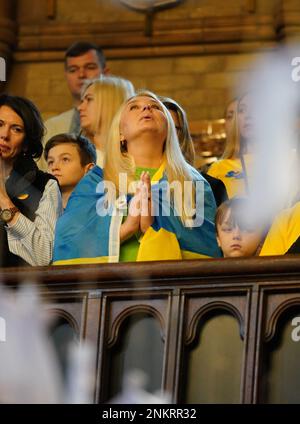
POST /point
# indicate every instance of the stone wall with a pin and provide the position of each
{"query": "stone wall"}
(198, 51)
(201, 84)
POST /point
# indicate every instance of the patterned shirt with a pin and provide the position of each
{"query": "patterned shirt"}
(33, 241)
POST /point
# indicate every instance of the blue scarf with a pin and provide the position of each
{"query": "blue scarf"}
(88, 231)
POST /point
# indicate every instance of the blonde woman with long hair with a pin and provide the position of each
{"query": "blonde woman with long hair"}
(101, 98)
(137, 217)
(233, 168)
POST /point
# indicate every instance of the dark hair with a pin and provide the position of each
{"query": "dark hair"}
(183, 132)
(81, 47)
(169, 105)
(86, 149)
(236, 207)
(33, 123)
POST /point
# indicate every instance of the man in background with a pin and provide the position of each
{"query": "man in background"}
(83, 60)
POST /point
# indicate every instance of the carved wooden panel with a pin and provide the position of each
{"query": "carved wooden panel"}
(67, 314)
(129, 309)
(278, 352)
(197, 306)
(119, 308)
(178, 294)
(71, 308)
(275, 304)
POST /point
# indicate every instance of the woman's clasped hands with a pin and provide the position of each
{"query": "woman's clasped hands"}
(139, 217)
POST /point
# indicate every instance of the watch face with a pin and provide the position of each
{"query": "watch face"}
(6, 215)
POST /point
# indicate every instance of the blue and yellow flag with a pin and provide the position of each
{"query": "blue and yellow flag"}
(89, 229)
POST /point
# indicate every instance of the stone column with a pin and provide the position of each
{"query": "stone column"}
(8, 35)
(290, 20)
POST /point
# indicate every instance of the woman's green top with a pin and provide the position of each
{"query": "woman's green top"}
(129, 248)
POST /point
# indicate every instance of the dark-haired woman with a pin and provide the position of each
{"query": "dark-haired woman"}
(30, 201)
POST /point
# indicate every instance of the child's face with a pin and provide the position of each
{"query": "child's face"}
(64, 163)
(236, 242)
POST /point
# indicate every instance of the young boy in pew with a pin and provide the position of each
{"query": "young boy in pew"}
(69, 157)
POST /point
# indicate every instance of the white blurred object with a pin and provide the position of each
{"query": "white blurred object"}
(29, 367)
(133, 391)
(29, 372)
(80, 383)
(276, 105)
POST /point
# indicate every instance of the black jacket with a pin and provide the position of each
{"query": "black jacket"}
(25, 187)
(218, 188)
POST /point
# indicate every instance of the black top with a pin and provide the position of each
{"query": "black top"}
(294, 248)
(218, 188)
(25, 187)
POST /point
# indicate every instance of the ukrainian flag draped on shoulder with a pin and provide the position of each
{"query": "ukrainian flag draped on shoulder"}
(89, 229)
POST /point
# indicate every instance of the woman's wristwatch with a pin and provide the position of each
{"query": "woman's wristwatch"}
(6, 215)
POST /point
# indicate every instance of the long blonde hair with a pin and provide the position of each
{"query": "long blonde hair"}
(232, 146)
(109, 93)
(118, 161)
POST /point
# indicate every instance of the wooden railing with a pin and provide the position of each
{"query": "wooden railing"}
(220, 330)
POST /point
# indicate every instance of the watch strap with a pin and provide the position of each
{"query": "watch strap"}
(13, 211)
